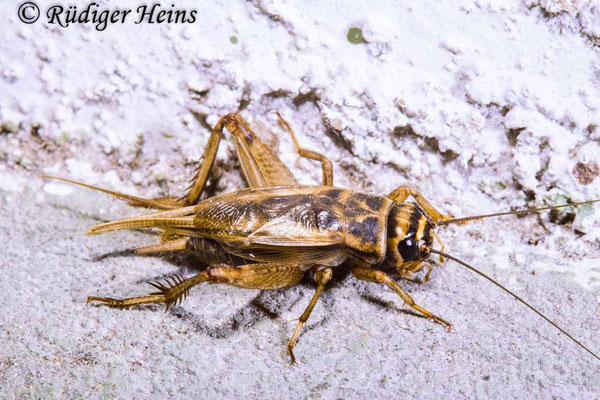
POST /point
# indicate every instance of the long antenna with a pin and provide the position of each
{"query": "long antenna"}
(517, 212)
(464, 264)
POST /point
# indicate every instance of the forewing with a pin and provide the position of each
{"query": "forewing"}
(279, 224)
(285, 216)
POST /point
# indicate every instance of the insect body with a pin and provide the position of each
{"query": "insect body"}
(269, 235)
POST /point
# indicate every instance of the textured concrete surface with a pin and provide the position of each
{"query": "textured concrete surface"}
(228, 342)
(484, 106)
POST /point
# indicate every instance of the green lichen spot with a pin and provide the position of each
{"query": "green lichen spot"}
(63, 138)
(499, 186)
(355, 36)
(233, 39)
(560, 199)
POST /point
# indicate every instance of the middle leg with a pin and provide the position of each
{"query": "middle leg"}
(321, 277)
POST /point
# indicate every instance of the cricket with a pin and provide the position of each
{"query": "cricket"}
(273, 233)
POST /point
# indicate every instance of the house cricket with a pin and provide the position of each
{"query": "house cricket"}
(269, 235)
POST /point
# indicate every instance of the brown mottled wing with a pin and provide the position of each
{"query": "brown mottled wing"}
(260, 164)
(284, 224)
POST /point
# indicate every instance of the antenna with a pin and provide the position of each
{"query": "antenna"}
(464, 264)
(516, 212)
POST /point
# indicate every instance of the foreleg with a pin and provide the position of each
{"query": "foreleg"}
(401, 193)
(373, 275)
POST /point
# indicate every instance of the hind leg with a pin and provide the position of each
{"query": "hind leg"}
(252, 276)
(194, 192)
(260, 165)
(326, 165)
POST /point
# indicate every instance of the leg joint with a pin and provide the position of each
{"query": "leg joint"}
(323, 276)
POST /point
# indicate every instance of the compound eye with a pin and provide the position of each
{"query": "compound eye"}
(408, 249)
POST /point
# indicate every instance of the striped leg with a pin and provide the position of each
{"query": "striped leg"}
(176, 288)
(313, 155)
(401, 193)
(373, 275)
(321, 277)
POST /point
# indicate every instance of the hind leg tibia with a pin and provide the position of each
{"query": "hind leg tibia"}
(172, 291)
